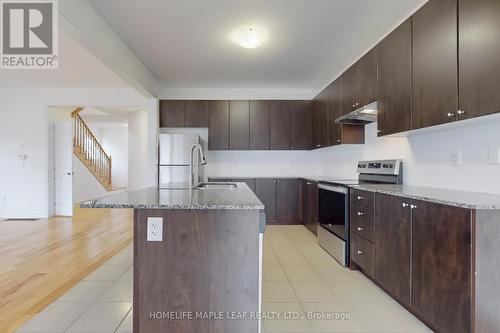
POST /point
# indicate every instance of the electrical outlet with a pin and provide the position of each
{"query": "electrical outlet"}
(155, 229)
(456, 158)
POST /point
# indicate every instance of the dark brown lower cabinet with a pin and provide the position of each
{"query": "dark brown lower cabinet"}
(265, 189)
(422, 256)
(310, 205)
(442, 244)
(392, 245)
(287, 202)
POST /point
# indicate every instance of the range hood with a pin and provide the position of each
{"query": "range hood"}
(362, 116)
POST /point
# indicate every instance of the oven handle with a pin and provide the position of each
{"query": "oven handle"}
(338, 189)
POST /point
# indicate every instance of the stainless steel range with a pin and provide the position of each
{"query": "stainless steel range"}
(333, 232)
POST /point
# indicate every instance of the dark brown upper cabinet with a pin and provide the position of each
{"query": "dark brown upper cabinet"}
(320, 121)
(367, 78)
(395, 81)
(259, 125)
(300, 125)
(196, 113)
(441, 265)
(479, 57)
(239, 125)
(334, 107)
(349, 88)
(340, 133)
(218, 126)
(359, 83)
(435, 72)
(279, 125)
(172, 113)
(393, 245)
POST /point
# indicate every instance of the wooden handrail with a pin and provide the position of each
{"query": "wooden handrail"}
(92, 134)
(90, 152)
(76, 112)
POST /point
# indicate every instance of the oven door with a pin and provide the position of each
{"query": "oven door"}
(333, 234)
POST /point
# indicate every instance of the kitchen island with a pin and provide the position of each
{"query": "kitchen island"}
(199, 266)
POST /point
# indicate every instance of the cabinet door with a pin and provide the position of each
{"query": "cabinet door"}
(280, 125)
(259, 125)
(394, 84)
(300, 125)
(320, 125)
(239, 125)
(218, 127)
(312, 207)
(441, 265)
(349, 90)
(479, 57)
(435, 73)
(172, 113)
(302, 199)
(288, 200)
(392, 244)
(334, 106)
(367, 78)
(196, 114)
(265, 189)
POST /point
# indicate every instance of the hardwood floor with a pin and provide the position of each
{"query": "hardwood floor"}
(41, 260)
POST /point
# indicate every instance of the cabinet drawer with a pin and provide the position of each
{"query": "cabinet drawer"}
(363, 254)
(362, 222)
(363, 198)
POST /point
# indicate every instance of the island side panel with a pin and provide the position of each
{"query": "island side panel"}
(487, 289)
(207, 262)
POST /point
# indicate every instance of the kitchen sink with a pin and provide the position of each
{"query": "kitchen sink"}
(217, 186)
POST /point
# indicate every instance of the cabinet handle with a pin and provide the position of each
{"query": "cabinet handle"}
(357, 103)
(360, 252)
(413, 207)
(360, 197)
(309, 183)
(405, 205)
(450, 114)
(339, 141)
(360, 229)
(360, 214)
(460, 112)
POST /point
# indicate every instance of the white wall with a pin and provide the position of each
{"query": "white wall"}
(114, 140)
(142, 133)
(85, 185)
(23, 130)
(427, 155)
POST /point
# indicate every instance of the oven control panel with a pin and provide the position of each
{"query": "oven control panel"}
(385, 167)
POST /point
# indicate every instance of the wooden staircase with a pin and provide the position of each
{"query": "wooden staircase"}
(90, 152)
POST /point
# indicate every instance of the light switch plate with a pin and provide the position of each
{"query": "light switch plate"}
(456, 158)
(494, 156)
(155, 229)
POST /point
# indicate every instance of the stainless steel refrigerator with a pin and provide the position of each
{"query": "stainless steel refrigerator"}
(173, 160)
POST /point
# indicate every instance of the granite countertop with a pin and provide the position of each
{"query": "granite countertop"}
(469, 200)
(152, 198)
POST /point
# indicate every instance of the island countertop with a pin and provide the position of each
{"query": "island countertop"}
(240, 197)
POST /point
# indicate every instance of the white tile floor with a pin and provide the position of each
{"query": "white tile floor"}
(299, 277)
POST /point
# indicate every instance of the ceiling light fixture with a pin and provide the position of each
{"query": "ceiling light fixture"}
(250, 37)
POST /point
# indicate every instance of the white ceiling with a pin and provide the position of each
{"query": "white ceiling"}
(77, 68)
(185, 43)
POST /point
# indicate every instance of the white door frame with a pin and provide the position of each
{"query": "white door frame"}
(63, 168)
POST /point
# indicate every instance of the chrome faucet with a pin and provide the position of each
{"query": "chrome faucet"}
(192, 181)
